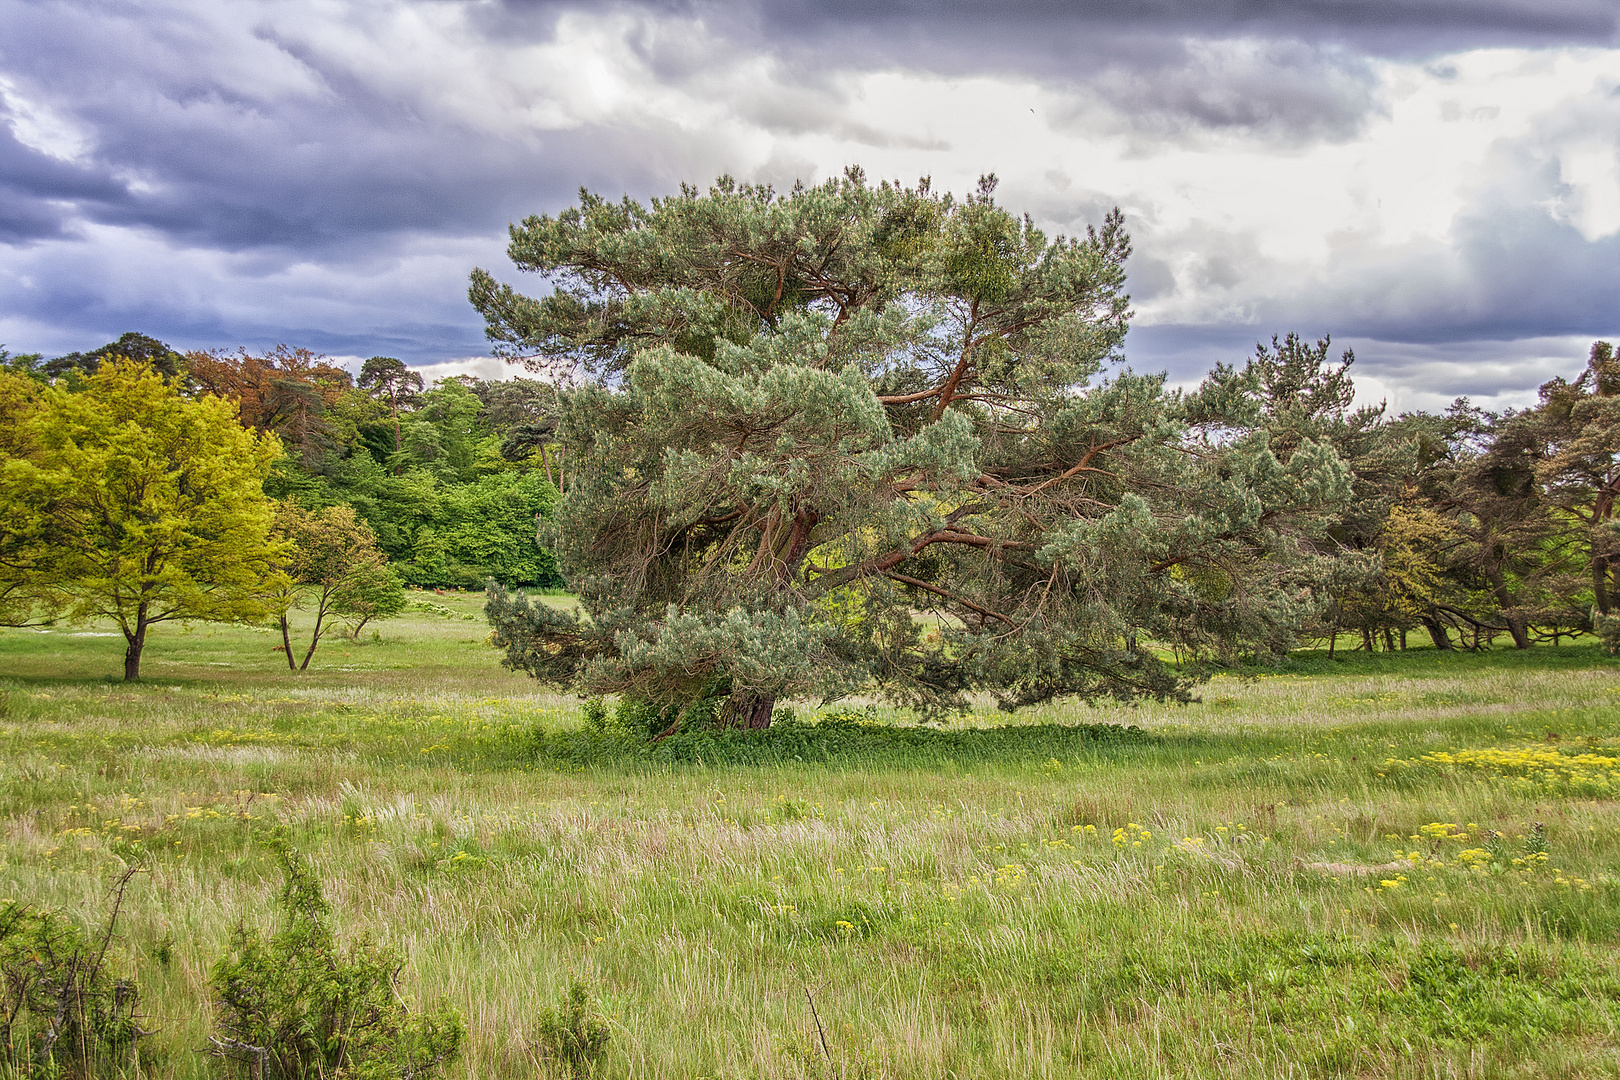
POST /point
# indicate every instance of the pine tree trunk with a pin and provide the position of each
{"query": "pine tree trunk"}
(1437, 633)
(1602, 511)
(752, 712)
(1519, 632)
(135, 643)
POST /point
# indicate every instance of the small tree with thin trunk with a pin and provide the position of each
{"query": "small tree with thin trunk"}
(151, 505)
(373, 592)
(334, 559)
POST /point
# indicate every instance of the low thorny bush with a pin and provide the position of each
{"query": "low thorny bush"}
(295, 1006)
(573, 1037)
(63, 1012)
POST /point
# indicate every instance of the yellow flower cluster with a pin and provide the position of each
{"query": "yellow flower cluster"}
(1537, 770)
(1131, 836)
(1010, 876)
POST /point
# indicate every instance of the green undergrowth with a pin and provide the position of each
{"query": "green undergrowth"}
(836, 739)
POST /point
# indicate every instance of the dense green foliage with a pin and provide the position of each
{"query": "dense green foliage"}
(130, 501)
(816, 413)
(428, 471)
(451, 480)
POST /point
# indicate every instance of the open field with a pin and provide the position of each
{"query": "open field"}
(1401, 866)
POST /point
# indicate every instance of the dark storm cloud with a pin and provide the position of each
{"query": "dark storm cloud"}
(219, 164)
(1397, 26)
(212, 134)
(1394, 26)
(1305, 76)
(220, 170)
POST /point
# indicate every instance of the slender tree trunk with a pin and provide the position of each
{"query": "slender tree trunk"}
(1333, 641)
(1600, 583)
(1403, 639)
(135, 643)
(1518, 631)
(1389, 640)
(315, 634)
(286, 642)
(1504, 602)
(1366, 640)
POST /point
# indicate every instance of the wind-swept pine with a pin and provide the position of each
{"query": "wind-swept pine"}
(809, 417)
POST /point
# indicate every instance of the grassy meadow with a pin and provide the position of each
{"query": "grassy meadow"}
(1396, 865)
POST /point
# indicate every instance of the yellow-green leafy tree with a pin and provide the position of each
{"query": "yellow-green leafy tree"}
(27, 593)
(332, 558)
(153, 502)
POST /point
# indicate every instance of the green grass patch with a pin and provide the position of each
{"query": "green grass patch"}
(1386, 865)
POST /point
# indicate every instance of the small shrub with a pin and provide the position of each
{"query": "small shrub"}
(574, 1036)
(1607, 628)
(62, 1012)
(295, 1007)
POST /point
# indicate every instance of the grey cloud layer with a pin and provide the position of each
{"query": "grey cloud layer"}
(259, 182)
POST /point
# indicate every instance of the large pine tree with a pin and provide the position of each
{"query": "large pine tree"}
(807, 419)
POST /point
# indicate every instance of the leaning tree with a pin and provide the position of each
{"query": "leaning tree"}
(862, 436)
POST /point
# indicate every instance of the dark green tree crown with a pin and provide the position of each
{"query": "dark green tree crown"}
(807, 417)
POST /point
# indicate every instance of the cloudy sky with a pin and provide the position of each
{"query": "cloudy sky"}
(1435, 183)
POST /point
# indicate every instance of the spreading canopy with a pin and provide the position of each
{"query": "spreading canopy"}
(808, 417)
(149, 505)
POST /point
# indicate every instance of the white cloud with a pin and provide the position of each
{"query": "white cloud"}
(39, 127)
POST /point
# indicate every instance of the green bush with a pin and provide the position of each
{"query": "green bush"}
(295, 1007)
(64, 1012)
(574, 1036)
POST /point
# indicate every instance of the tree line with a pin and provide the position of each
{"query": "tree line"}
(449, 478)
(143, 485)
